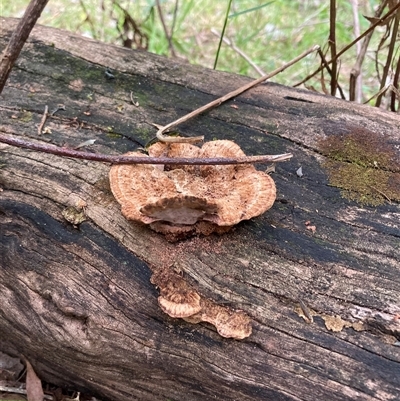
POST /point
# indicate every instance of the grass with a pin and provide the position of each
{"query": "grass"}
(269, 32)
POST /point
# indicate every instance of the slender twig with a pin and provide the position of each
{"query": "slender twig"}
(174, 18)
(382, 90)
(88, 19)
(18, 38)
(222, 99)
(167, 35)
(355, 87)
(133, 102)
(393, 39)
(43, 121)
(55, 150)
(395, 85)
(222, 34)
(381, 193)
(323, 59)
(344, 50)
(239, 51)
(332, 45)
(19, 390)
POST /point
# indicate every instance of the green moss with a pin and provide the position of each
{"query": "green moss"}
(113, 135)
(364, 165)
(26, 116)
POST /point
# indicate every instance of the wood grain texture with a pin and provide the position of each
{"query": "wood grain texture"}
(77, 301)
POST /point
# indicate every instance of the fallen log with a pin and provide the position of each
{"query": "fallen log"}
(317, 275)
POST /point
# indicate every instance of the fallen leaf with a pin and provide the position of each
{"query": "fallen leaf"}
(34, 390)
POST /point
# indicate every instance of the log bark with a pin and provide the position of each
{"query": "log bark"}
(76, 297)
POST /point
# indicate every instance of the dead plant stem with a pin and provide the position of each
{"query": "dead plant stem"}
(18, 38)
(344, 50)
(43, 121)
(217, 102)
(76, 154)
(332, 45)
(393, 39)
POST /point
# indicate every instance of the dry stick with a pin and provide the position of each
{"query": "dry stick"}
(332, 45)
(355, 87)
(344, 50)
(323, 59)
(55, 150)
(222, 99)
(389, 58)
(395, 85)
(43, 121)
(238, 51)
(167, 35)
(18, 38)
(88, 19)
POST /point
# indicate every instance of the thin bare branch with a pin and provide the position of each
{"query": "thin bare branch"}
(89, 20)
(241, 53)
(344, 50)
(18, 38)
(355, 87)
(167, 35)
(396, 86)
(223, 99)
(395, 28)
(332, 45)
(76, 154)
(323, 59)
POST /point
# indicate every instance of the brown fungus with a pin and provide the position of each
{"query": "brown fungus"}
(180, 201)
(179, 300)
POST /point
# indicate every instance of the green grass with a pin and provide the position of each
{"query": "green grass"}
(269, 32)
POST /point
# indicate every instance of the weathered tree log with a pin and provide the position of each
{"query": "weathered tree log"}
(317, 274)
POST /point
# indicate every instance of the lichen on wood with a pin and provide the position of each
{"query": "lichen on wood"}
(364, 165)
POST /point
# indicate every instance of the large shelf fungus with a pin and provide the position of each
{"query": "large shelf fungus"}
(180, 201)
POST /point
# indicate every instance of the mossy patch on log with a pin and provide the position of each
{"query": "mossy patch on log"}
(364, 165)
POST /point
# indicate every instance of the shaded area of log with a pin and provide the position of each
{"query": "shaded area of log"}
(78, 300)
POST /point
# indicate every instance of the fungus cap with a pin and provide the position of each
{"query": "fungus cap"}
(178, 197)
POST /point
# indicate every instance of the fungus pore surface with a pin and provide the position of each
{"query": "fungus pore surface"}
(180, 201)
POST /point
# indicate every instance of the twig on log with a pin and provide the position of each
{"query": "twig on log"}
(55, 150)
(43, 121)
(19, 37)
(217, 102)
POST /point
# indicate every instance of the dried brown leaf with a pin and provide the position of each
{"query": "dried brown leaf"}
(34, 390)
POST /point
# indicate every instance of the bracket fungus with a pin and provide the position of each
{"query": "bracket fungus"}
(183, 200)
(179, 300)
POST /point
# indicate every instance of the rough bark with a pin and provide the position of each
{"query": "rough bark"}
(77, 301)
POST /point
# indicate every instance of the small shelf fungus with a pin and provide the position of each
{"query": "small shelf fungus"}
(179, 300)
(180, 201)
